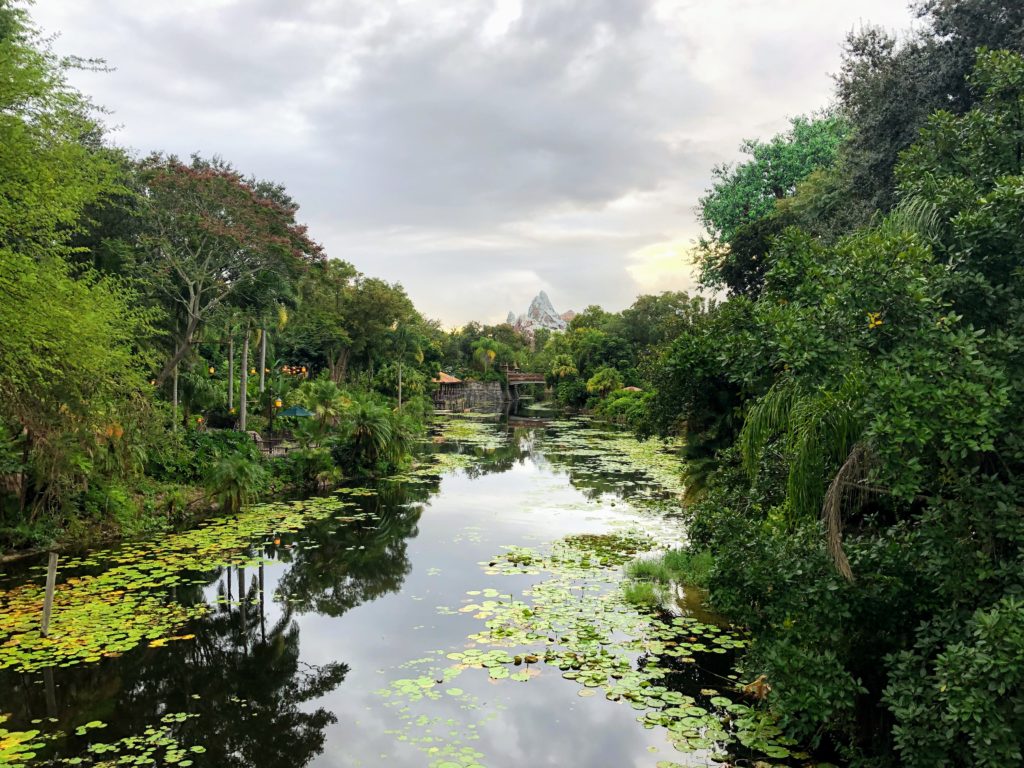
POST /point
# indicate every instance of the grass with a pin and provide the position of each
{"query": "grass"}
(647, 580)
(642, 593)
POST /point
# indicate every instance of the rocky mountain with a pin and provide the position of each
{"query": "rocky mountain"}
(541, 314)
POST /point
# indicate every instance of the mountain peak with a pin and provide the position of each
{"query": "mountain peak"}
(541, 314)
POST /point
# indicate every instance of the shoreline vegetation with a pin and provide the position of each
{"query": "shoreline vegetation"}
(841, 422)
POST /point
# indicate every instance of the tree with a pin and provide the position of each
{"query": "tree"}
(605, 380)
(53, 164)
(748, 191)
(72, 373)
(888, 89)
(211, 237)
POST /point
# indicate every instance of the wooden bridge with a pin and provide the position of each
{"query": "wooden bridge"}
(516, 377)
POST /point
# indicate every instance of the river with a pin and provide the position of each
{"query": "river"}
(441, 619)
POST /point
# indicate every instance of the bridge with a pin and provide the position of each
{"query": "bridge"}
(518, 377)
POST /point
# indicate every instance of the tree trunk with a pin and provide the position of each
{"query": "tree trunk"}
(231, 370)
(263, 359)
(338, 365)
(183, 347)
(399, 386)
(243, 393)
(174, 397)
(26, 454)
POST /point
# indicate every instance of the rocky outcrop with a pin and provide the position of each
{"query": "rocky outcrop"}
(541, 314)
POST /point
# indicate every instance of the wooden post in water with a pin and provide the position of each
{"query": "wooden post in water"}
(51, 583)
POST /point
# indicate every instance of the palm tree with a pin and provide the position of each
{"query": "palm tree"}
(326, 400)
(821, 437)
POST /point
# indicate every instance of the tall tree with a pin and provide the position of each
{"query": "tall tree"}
(211, 237)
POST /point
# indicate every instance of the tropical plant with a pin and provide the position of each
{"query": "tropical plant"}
(234, 481)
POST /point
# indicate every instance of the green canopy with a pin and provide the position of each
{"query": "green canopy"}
(296, 410)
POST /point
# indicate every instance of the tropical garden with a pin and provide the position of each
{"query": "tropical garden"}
(846, 393)
(160, 309)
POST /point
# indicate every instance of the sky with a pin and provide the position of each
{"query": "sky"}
(476, 152)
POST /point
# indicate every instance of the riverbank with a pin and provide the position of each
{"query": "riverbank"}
(463, 612)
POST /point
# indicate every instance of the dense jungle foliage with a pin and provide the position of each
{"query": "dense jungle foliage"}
(851, 399)
(157, 309)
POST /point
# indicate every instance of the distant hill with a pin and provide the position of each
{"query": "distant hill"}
(541, 314)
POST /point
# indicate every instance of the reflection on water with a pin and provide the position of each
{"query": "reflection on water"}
(286, 668)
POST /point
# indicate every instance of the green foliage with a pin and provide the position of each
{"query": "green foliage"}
(676, 566)
(624, 406)
(306, 469)
(749, 191)
(603, 381)
(234, 481)
(876, 377)
(372, 439)
(642, 593)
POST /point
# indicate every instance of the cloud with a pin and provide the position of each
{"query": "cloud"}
(665, 266)
(458, 145)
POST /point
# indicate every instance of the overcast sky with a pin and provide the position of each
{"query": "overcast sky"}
(477, 152)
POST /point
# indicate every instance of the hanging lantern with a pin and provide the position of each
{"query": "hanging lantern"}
(212, 370)
(231, 410)
(303, 369)
(152, 382)
(252, 371)
(199, 419)
(266, 370)
(278, 403)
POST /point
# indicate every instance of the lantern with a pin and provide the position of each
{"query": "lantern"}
(303, 369)
(212, 370)
(199, 419)
(278, 403)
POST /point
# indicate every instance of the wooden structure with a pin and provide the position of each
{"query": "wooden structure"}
(450, 391)
(517, 378)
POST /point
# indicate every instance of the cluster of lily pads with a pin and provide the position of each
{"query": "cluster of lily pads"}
(19, 747)
(472, 430)
(155, 746)
(121, 598)
(577, 622)
(613, 452)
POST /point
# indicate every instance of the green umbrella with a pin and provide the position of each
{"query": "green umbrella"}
(296, 410)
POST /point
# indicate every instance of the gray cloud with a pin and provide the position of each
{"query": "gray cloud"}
(475, 151)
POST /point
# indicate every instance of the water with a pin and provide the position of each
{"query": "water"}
(301, 673)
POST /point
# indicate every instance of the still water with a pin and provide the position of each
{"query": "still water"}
(337, 643)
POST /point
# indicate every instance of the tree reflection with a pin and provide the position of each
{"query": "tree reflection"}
(242, 673)
(359, 562)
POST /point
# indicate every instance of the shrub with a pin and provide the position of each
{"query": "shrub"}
(235, 480)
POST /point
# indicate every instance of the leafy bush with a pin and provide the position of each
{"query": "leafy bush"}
(307, 468)
(235, 480)
(572, 393)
